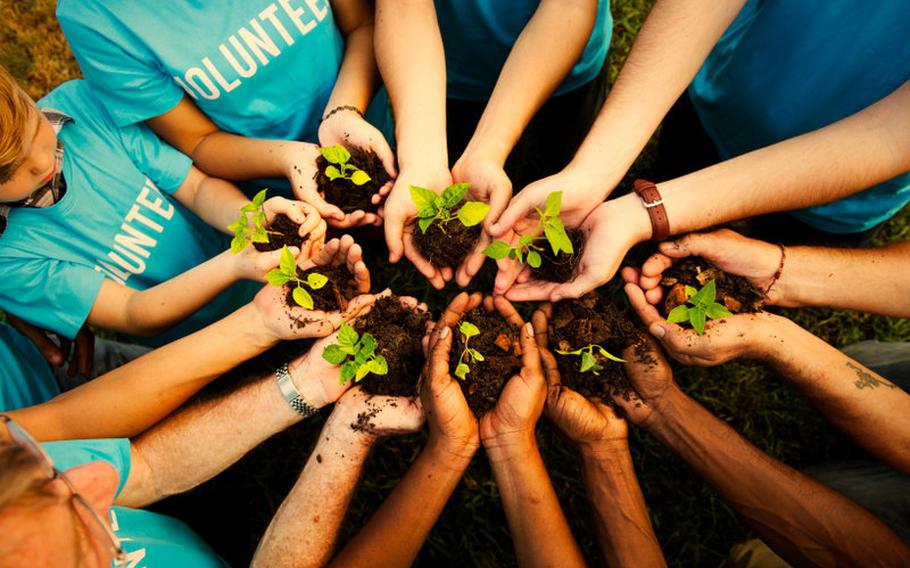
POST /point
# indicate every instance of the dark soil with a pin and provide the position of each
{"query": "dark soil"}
(593, 320)
(398, 332)
(498, 343)
(287, 234)
(343, 193)
(560, 268)
(446, 245)
(735, 292)
(335, 295)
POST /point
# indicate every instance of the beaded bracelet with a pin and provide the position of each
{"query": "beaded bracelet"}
(339, 108)
(780, 268)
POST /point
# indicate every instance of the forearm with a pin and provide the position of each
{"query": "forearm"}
(303, 531)
(218, 203)
(833, 162)
(357, 76)
(801, 519)
(864, 405)
(624, 531)
(868, 280)
(131, 398)
(543, 55)
(230, 156)
(539, 529)
(415, 503)
(673, 43)
(409, 46)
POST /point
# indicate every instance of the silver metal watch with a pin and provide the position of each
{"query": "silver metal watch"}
(291, 394)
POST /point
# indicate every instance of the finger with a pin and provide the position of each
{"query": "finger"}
(532, 291)
(584, 282)
(53, 353)
(694, 244)
(630, 274)
(82, 362)
(385, 190)
(539, 321)
(446, 273)
(325, 209)
(507, 310)
(505, 277)
(525, 275)
(362, 277)
(530, 355)
(499, 200)
(473, 262)
(393, 227)
(439, 357)
(653, 268)
(517, 208)
(386, 156)
(422, 265)
(654, 296)
(648, 313)
(324, 256)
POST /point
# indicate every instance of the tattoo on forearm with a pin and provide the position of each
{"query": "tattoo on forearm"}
(865, 380)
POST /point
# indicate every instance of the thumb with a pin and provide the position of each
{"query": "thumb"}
(393, 226)
(517, 208)
(499, 200)
(690, 245)
(325, 209)
(439, 357)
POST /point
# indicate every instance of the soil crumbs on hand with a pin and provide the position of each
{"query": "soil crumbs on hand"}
(561, 268)
(287, 234)
(734, 292)
(343, 192)
(446, 244)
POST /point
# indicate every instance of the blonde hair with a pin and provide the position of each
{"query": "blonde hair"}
(15, 109)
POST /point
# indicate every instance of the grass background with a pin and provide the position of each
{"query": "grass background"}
(695, 528)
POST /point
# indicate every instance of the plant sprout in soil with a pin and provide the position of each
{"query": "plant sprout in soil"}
(699, 306)
(432, 207)
(339, 157)
(356, 354)
(251, 225)
(554, 232)
(591, 361)
(468, 355)
(287, 272)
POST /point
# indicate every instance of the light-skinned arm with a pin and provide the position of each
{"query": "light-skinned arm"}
(805, 522)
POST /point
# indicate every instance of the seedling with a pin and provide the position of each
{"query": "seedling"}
(589, 360)
(701, 306)
(361, 350)
(250, 226)
(554, 231)
(339, 157)
(432, 207)
(468, 355)
(287, 272)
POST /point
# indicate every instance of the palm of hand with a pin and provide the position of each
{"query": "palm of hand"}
(584, 421)
(517, 410)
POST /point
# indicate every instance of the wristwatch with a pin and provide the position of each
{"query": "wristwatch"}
(291, 394)
(654, 204)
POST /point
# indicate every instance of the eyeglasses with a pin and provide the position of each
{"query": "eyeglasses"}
(98, 524)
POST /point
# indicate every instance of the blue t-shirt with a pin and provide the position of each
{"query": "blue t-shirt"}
(149, 539)
(257, 68)
(785, 68)
(478, 36)
(116, 220)
(25, 376)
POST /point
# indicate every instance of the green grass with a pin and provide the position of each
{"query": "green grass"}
(694, 527)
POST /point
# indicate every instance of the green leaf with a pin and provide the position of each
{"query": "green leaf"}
(259, 198)
(360, 177)
(360, 358)
(476, 355)
(316, 281)
(717, 311)
(276, 277)
(367, 345)
(427, 213)
(287, 264)
(362, 371)
(238, 243)
(497, 250)
(557, 237)
(249, 208)
(303, 298)
(379, 366)
(453, 194)
(697, 319)
(332, 173)
(604, 353)
(348, 370)
(526, 240)
(462, 370)
(259, 235)
(334, 355)
(468, 329)
(336, 154)
(554, 204)
(347, 335)
(238, 226)
(423, 198)
(576, 352)
(424, 223)
(473, 212)
(690, 291)
(706, 295)
(678, 314)
(534, 259)
(587, 362)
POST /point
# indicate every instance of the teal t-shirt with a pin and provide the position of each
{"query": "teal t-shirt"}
(25, 376)
(257, 68)
(116, 221)
(478, 36)
(149, 539)
(785, 68)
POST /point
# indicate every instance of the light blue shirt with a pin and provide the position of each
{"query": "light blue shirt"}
(25, 376)
(478, 36)
(149, 539)
(117, 220)
(787, 67)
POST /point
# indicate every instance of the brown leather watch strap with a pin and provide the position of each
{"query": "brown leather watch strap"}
(654, 203)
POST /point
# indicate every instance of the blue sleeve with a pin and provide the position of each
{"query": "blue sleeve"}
(161, 162)
(73, 453)
(52, 294)
(25, 376)
(126, 75)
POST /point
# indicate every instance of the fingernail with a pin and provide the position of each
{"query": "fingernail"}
(657, 330)
(529, 329)
(444, 333)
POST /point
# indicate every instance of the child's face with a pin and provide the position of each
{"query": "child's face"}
(37, 166)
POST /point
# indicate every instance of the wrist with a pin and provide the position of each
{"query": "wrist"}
(453, 453)
(511, 445)
(486, 149)
(338, 430)
(603, 449)
(256, 332)
(302, 375)
(628, 211)
(289, 154)
(666, 411)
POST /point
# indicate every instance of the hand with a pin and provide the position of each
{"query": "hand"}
(735, 337)
(733, 253)
(489, 184)
(295, 322)
(377, 416)
(311, 224)
(457, 308)
(81, 360)
(299, 159)
(652, 379)
(400, 221)
(609, 232)
(317, 380)
(586, 422)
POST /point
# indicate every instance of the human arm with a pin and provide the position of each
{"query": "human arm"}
(804, 521)
(57, 353)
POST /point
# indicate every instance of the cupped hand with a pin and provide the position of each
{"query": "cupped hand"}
(299, 160)
(311, 224)
(651, 377)
(375, 416)
(457, 308)
(733, 253)
(350, 130)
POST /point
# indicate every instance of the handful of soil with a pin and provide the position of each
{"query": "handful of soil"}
(282, 231)
(446, 244)
(344, 193)
(398, 332)
(335, 295)
(735, 292)
(592, 320)
(561, 268)
(498, 342)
